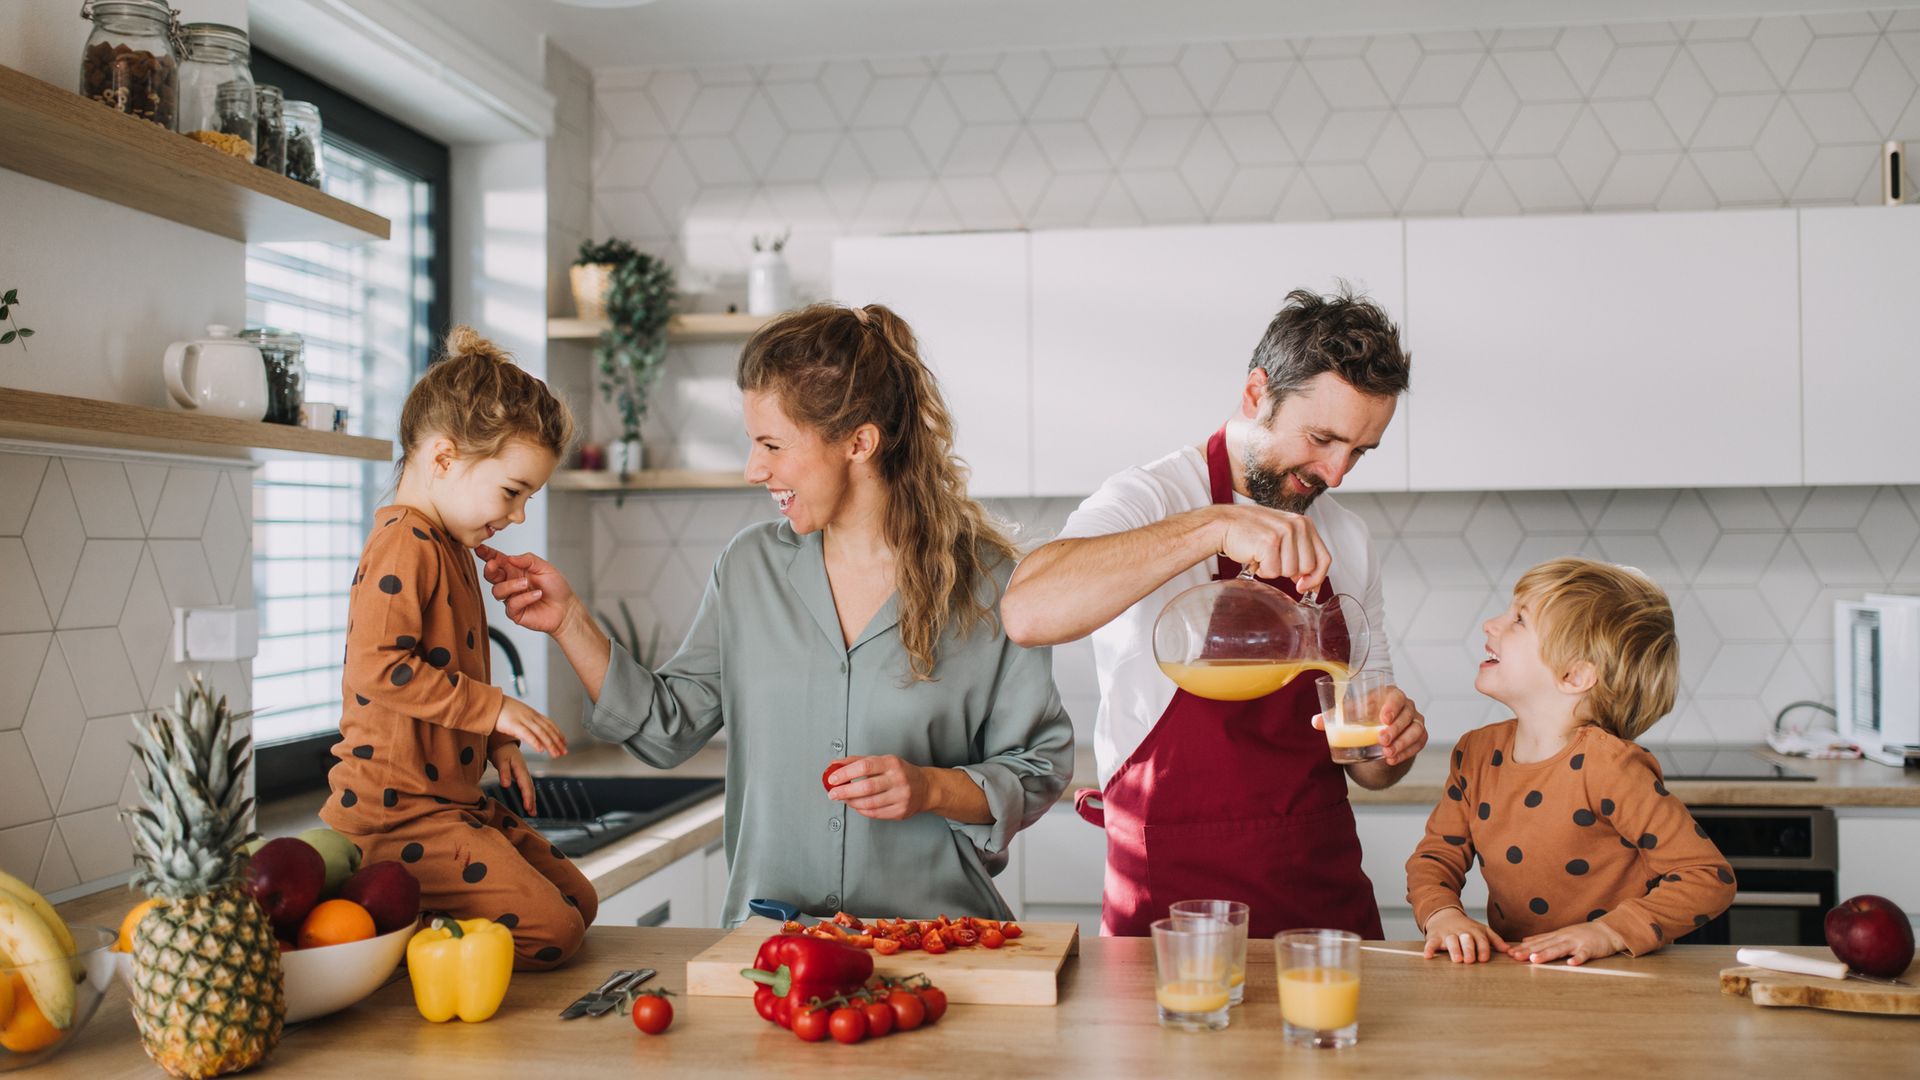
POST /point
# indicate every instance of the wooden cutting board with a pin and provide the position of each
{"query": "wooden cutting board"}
(1767, 987)
(1024, 971)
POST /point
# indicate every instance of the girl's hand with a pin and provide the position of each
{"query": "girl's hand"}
(1578, 943)
(511, 764)
(536, 595)
(518, 721)
(1465, 940)
(885, 787)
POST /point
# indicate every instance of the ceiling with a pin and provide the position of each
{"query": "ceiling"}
(673, 32)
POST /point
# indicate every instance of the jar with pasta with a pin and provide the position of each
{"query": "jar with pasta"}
(131, 61)
(216, 89)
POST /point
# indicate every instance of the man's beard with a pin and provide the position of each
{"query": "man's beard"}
(1268, 487)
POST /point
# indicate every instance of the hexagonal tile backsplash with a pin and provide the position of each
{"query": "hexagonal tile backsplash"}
(99, 551)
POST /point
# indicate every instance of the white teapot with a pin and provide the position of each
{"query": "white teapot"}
(218, 375)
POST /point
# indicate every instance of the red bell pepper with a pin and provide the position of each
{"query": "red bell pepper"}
(799, 968)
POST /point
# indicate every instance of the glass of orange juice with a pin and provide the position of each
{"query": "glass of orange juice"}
(1350, 709)
(1319, 987)
(1192, 962)
(1235, 915)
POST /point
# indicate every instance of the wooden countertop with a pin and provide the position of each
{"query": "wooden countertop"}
(1418, 1019)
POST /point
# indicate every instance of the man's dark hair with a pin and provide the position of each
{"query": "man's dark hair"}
(1343, 333)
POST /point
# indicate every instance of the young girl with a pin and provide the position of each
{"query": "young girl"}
(420, 716)
(1585, 852)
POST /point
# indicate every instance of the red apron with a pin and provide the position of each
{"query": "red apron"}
(1234, 800)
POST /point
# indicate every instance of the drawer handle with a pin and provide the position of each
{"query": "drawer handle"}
(1781, 899)
(657, 917)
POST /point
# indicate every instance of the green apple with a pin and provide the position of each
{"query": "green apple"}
(341, 854)
(254, 844)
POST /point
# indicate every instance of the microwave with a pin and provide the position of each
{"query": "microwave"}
(1876, 676)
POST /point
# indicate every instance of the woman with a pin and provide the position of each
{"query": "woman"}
(858, 634)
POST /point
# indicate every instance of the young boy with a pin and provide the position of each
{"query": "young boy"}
(1584, 851)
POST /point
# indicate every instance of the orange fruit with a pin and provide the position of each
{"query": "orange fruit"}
(6, 999)
(27, 1030)
(335, 922)
(125, 941)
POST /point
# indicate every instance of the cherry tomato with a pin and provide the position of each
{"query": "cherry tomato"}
(652, 1012)
(810, 1024)
(933, 942)
(885, 946)
(848, 1024)
(879, 1018)
(1011, 930)
(909, 1011)
(992, 938)
(764, 1002)
(824, 782)
(936, 1000)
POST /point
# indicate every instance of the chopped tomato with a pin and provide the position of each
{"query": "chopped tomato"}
(992, 938)
(885, 946)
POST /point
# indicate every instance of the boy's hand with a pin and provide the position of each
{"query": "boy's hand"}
(511, 764)
(520, 722)
(1465, 940)
(1578, 943)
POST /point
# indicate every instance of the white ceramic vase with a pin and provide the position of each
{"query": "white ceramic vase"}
(626, 456)
(769, 284)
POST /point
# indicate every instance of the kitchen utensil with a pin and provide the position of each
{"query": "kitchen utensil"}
(1239, 639)
(612, 998)
(1024, 971)
(219, 375)
(1776, 989)
(780, 910)
(1583, 969)
(1809, 965)
(581, 1003)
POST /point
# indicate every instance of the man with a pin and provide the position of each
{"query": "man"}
(1207, 799)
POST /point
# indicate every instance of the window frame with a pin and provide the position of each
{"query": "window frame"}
(297, 766)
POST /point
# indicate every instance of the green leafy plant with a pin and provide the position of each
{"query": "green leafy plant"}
(631, 640)
(18, 333)
(611, 250)
(639, 302)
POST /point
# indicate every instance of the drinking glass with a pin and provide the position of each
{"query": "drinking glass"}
(1319, 987)
(1350, 709)
(1192, 960)
(1235, 915)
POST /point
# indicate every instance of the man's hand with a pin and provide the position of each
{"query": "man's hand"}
(1467, 941)
(1275, 543)
(535, 594)
(1578, 943)
(1403, 733)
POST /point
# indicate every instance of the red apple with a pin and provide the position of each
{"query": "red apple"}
(389, 892)
(1870, 934)
(286, 876)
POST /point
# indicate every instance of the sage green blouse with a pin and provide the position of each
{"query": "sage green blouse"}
(766, 660)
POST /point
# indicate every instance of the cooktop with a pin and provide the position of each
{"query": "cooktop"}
(1719, 763)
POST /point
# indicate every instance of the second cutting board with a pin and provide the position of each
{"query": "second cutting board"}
(1024, 971)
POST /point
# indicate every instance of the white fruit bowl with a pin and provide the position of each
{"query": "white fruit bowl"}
(91, 968)
(332, 977)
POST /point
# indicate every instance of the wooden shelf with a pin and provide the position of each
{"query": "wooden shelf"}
(648, 480)
(29, 414)
(60, 137)
(692, 328)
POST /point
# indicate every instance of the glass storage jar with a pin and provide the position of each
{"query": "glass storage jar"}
(283, 351)
(303, 143)
(131, 62)
(270, 129)
(216, 89)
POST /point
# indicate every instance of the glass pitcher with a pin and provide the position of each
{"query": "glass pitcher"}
(1241, 639)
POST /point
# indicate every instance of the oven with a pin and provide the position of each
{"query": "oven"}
(1786, 862)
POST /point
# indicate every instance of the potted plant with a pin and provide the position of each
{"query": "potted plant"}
(592, 270)
(639, 303)
(15, 331)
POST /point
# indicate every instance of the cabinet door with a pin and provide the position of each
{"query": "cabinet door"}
(1605, 350)
(1142, 337)
(676, 896)
(1388, 834)
(1065, 860)
(966, 298)
(1861, 340)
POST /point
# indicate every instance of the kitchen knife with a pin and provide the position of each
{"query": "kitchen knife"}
(616, 993)
(592, 997)
(781, 911)
(1808, 965)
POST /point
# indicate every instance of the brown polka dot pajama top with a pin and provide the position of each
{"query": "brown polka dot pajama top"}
(416, 731)
(1588, 834)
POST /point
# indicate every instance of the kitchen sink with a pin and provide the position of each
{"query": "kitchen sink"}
(579, 814)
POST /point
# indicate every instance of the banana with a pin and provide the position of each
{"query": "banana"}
(30, 941)
(26, 892)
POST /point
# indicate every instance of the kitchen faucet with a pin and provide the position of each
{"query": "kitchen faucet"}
(501, 639)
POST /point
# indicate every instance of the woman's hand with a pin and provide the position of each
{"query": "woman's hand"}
(1578, 943)
(518, 721)
(1465, 940)
(884, 787)
(511, 764)
(535, 594)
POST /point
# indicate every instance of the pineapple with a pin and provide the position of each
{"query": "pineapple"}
(207, 993)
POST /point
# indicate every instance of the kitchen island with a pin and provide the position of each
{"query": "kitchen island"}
(1418, 1018)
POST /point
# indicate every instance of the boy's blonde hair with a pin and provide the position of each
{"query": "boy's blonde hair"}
(478, 397)
(1618, 620)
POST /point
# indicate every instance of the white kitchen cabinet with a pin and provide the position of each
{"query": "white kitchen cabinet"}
(715, 866)
(1604, 350)
(676, 896)
(1860, 334)
(1876, 854)
(1388, 835)
(966, 296)
(1142, 337)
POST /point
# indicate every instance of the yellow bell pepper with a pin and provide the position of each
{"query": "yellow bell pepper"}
(460, 968)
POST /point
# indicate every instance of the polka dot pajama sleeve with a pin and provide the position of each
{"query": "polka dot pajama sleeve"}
(1688, 881)
(1438, 869)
